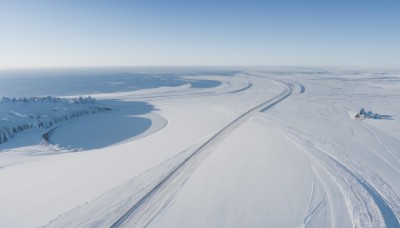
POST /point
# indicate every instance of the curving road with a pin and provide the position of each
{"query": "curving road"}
(153, 202)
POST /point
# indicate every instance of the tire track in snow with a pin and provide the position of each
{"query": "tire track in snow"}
(388, 152)
(153, 202)
(320, 203)
(376, 211)
(370, 201)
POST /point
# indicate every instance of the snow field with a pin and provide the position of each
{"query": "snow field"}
(303, 161)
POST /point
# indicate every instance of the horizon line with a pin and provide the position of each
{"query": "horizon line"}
(195, 66)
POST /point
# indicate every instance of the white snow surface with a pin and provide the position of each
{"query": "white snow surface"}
(266, 147)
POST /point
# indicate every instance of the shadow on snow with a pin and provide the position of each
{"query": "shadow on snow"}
(104, 129)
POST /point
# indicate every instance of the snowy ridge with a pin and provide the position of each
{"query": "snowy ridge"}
(24, 113)
(79, 100)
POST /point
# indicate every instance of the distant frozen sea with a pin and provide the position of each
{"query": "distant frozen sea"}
(62, 82)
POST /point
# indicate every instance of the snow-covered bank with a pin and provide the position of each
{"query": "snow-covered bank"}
(19, 114)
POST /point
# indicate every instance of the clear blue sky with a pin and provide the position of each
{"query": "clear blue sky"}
(55, 33)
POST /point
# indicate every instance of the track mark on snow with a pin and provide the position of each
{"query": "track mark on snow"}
(370, 201)
(153, 202)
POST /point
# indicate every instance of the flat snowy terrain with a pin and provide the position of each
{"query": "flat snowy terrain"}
(273, 147)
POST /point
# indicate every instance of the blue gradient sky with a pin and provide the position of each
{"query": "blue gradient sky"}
(160, 32)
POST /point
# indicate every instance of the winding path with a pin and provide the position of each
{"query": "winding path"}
(153, 202)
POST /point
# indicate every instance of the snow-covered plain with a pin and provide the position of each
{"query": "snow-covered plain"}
(186, 147)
